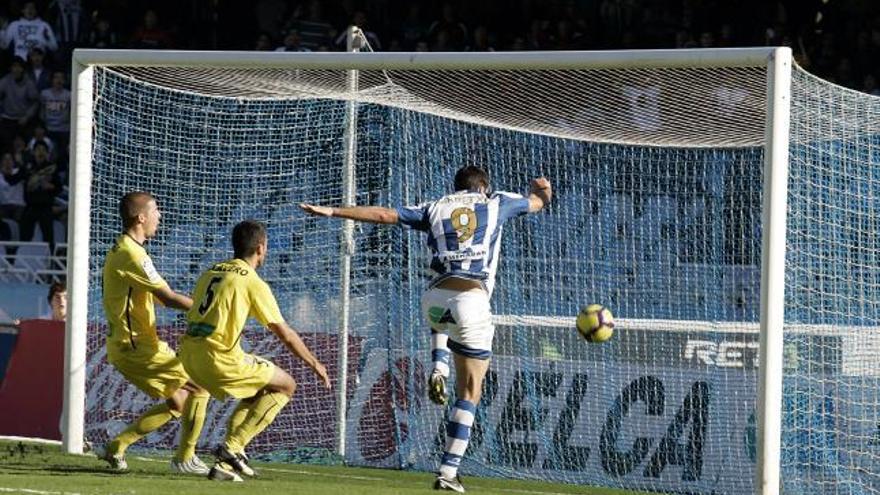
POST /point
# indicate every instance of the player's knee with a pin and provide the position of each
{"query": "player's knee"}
(289, 387)
(284, 384)
(195, 389)
(177, 400)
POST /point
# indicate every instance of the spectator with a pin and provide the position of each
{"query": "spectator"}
(263, 43)
(11, 188)
(395, 46)
(456, 32)
(292, 43)
(869, 85)
(863, 55)
(37, 70)
(653, 25)
(359, 19)
(68, 20)
(101, 36)
(55, 112)
(19, 100)
(42, 187)
(57, 299)
(20, 152)
(565, 37)
(269, 15)
(344, 12)
(537, 37)
(572, 13)
(480, 40)
(313, 28)
(628, 40)
(725, 36)
(707, 39)
(518, 44)
(41, 137)
(441, 42)
(825, 57)
(615, 16)
(150, 35)
(29, 31)
(413, 28)
(11, 195)
(684, 39)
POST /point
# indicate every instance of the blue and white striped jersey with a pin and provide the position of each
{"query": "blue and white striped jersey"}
(464, 230)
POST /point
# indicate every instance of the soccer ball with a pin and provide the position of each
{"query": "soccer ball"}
(595, 323)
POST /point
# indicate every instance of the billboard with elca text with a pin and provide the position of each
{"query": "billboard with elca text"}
(663, 410)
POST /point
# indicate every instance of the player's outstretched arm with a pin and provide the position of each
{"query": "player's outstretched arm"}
(540, 194)
(171, 299)
(292, 341)
(371, 214)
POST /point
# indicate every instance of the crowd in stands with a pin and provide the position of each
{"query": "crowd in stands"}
(836, 39)
(34, 129)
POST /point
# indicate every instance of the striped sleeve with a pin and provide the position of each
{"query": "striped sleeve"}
(511, 205)
(415, 217)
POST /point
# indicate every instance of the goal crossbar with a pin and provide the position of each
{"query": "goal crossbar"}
(721, 57)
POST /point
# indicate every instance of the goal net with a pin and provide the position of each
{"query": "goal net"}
(658, 175)
(831, 425)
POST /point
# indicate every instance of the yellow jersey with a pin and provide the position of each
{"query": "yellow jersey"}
(225, 296)
(129, 279)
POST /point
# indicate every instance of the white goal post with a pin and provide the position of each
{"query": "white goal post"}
(778, 64)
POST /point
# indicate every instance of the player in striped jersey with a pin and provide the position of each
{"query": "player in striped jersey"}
(130, 285)
(464, 233)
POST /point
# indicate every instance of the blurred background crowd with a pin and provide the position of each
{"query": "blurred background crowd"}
(838, 40)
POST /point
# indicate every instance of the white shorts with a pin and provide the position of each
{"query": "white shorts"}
(465, 316)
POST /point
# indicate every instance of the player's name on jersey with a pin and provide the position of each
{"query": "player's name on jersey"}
(223, 267)
(464, 198)
(464, 254)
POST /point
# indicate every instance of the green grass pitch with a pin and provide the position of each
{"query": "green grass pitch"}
(36, 469)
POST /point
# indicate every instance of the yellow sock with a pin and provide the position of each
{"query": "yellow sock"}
(191, 423)
(239, 414)
(261, 413)
(151, 420)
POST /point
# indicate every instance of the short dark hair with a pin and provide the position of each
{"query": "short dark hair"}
(246, 236)
(471, 178)
(131, 205)
(55, 288)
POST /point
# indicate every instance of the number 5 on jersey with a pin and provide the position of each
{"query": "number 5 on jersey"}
(209, 296)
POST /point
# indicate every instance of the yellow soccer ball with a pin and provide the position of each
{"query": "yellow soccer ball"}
(595, 323)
